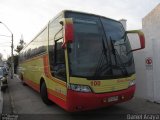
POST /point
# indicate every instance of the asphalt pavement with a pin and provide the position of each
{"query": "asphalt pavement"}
(26, 104)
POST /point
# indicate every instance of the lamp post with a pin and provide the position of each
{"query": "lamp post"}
(12, 61)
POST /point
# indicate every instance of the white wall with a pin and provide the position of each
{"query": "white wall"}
(151, 29)
(148, 76)
(139, 59)
(141, 82)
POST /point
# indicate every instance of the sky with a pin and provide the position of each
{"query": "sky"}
(28, 17)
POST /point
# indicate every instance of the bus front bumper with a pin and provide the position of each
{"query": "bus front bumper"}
(77, 101)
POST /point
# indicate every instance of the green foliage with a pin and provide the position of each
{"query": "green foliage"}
(15, 59)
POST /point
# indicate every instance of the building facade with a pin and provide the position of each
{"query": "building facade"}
(148, 60)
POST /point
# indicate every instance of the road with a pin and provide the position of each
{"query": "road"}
(27, 104)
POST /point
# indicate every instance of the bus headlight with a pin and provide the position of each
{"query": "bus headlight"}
(132, 82)
(80, 88)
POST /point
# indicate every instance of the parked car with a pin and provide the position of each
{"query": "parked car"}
(3, 79)
(5, 69)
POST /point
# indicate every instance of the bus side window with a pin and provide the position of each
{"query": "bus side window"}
(59, 68)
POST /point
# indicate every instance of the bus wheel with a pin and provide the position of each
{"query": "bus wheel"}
(21, 78)
(44, 94)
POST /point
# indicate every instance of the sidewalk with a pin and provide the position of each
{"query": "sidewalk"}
(1, 102)
(5, 99)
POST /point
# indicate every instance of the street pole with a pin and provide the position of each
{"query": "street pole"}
(12, 59)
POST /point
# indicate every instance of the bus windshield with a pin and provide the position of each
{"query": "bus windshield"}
(121, 57)
(100, 50)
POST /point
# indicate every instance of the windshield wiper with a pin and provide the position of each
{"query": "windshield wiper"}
(101, 67)
(118, 58)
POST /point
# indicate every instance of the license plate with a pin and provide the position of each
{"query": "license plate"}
(113, 99)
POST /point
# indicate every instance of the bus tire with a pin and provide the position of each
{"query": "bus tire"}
(23, 83)
(44, 95)
(21, 78)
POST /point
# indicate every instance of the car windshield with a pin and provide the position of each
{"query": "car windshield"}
(100, 49)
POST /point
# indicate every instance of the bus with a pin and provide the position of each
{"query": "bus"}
(81, 61)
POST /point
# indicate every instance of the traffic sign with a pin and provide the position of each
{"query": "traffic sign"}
(149, 63)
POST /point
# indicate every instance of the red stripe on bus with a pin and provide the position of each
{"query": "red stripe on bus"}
(55, 93)
(58, 101)
(46, 64)
(34, 85)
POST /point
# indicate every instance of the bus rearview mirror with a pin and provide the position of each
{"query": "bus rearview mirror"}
(141, 39)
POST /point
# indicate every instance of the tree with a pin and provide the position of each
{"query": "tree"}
(18, 49)
(9, 62)
(21, 45)
(15, 58)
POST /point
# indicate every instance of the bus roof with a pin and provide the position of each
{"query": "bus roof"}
(63, 13)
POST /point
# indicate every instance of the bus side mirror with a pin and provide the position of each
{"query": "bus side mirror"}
(141, 39)
(68, 32)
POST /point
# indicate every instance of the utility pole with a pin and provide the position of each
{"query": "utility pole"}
(12, 59)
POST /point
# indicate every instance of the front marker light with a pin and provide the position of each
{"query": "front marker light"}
(80, 88)
(132, 82)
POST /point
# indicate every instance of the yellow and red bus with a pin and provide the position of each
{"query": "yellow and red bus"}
(81, 61)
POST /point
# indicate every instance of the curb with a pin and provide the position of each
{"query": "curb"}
(11, 98)
(15, 76)
(1, 102)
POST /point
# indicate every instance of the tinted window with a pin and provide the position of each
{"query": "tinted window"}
(122, 58)
(100, 48)
(59, 68)
(87, 48)
(55, 32)
(35, 47)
